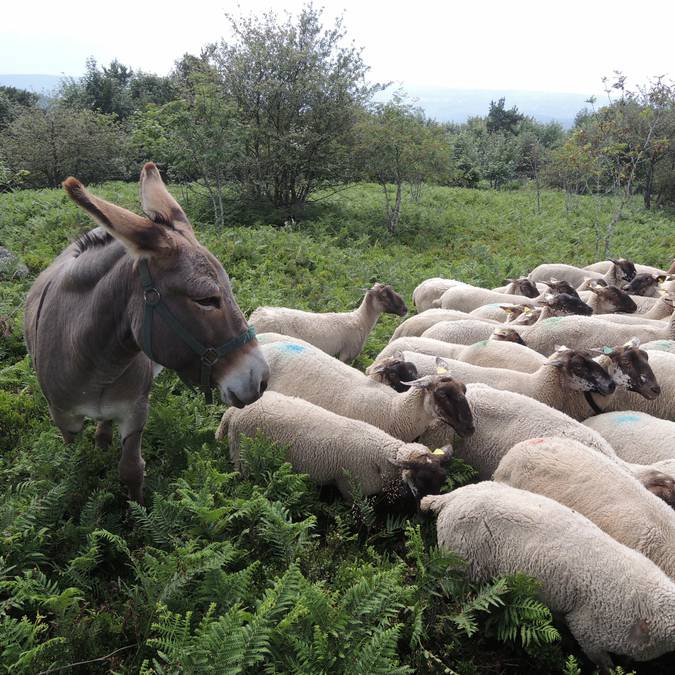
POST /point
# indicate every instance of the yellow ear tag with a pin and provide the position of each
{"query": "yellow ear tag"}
(527, 309)
(439, 451)
(508, 310)
(441, 371)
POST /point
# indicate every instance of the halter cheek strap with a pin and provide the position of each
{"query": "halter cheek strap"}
(591, 401)
(209, 356)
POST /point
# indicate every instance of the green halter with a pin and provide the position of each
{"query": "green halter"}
(208, 355)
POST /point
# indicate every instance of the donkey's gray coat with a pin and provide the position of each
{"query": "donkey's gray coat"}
(84, 321)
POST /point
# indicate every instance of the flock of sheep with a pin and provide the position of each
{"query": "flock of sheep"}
(558, 388)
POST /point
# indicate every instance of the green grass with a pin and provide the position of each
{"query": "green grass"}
(267, 574)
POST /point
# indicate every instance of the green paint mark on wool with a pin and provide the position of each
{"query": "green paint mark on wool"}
(552, 320)
(664, 345)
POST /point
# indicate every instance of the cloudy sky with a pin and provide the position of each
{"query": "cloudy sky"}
(532, 45)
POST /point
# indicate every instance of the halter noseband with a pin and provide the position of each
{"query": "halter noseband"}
(209, 356)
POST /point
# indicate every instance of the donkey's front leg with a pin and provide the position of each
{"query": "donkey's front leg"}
(132, 464)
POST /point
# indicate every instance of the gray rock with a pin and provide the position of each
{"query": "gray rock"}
(10, 265)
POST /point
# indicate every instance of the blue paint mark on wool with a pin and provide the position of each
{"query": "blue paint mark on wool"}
(626, 419)
(289, 347)
(664, 345)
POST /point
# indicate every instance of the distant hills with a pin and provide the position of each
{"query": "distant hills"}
(443, 104)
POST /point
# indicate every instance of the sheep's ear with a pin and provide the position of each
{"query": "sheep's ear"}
(420, 383)
(398, 355)
(661, 278)
(507, 308)
(442, 366)
(633, 343)
(377, 368)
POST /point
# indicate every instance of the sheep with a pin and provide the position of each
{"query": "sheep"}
(662, 365)
(338, 334)
(550, 304)
(608, 299)
(333, 449)
(504, 418)
(620, 272)
(467, 298)
(466, 332)
(635, 436)
(589, 483)
(561, 381)
(504, 334)
(661, 309)
(488, 353)
(603, 267)
(430, 290)
(582, 332)
(645, 284)
(613, 598)
(307, 372)
(417, 324)
(521, 286)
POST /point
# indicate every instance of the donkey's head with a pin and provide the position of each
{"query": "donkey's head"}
(183, 277)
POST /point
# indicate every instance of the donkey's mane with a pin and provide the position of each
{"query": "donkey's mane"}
(93, 239)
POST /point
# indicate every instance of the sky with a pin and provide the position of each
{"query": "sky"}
(565, 46)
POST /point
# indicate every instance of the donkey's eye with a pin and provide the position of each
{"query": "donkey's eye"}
(212, 301)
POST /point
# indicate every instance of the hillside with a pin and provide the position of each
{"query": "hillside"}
(267, 574)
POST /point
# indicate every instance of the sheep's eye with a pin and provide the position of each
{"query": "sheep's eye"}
(211, 301)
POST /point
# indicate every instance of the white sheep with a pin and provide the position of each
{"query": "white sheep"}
(560, 382)
(466, 298)
(596, 487)
(417, 324)
(581, 332)
(333, 449)
(504, 418)
(306, 372)
(613, 598)
(430, 290)
(521, 286)
(488, 353)
(620, 272)
(636, 436)
(340, 334)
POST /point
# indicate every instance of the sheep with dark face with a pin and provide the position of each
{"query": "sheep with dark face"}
(645, 284)
(608, 300)
(520, 286)
(621, 271)
(337, 450)
(309, 373)
(338, 334)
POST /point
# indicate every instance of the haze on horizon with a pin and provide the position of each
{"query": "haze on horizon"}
(524, 45)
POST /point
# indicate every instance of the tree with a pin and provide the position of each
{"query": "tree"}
(297, 93)
(503, 121)
(13, 102)
(197, 136)
(396, 145)
(52, 143)
(116, 89)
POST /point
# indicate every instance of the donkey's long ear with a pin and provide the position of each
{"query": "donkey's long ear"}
(158, 203)
(139, 235)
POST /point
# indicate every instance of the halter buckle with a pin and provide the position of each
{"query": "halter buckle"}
(152, 297)
(209, 357)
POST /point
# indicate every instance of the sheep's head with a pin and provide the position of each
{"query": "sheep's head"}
(524, 286)
(644, 283)
(424, 472)
(560, 286)
(580, 372)
(630, 368)
(522, 315)
(506, 335)
(614, 299)
(387, 300)
(624, 269)
(447, 399)
(562, 304)
(394, 371)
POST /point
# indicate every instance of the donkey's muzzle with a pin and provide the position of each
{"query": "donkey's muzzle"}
(246, 380)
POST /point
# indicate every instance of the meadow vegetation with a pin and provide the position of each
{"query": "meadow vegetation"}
(268, 574)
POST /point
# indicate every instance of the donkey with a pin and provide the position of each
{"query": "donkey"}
(93, 331)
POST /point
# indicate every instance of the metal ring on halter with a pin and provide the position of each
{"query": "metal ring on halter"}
(209, 357)
(152, 297)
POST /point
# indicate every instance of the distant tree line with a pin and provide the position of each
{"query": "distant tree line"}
(284, 109)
